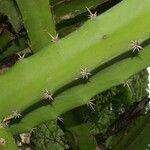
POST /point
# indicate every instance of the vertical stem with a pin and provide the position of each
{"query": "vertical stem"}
(38, 21)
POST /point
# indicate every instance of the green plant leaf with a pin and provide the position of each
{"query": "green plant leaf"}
(141, 141)
(136, 135)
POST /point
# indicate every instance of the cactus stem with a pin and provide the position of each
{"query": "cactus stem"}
(91, 15)
(135, 45)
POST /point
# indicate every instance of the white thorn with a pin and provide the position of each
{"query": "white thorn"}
(48, 94)
(135, 45)
(85, 73)
(91, 15)
(33, 130)
(127, 83)
(21, 57)
(54, 38)
(16, 114)
(60, 119)
(91, 104)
